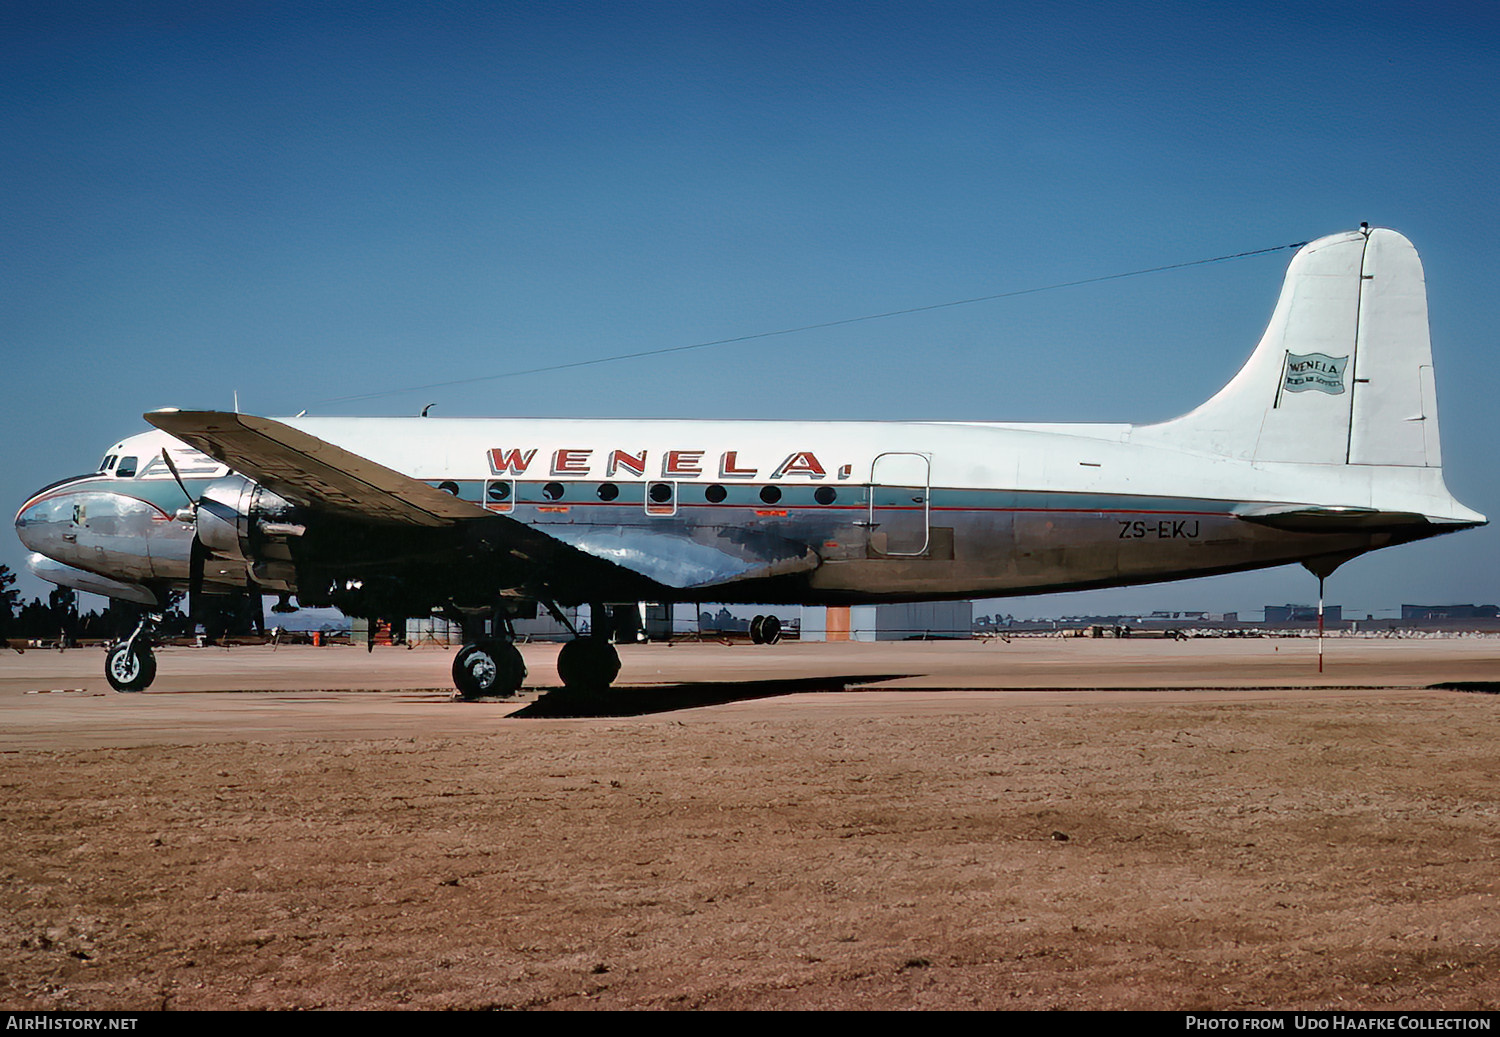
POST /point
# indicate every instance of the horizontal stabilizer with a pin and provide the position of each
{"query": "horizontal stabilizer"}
(1334, 520)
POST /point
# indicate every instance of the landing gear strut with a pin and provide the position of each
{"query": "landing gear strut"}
(130, 665)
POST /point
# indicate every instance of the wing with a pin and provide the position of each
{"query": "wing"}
(312, 472)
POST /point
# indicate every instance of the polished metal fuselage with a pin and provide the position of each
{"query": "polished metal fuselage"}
(851, 525)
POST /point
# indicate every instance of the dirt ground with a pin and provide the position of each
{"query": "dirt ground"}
(942, 826)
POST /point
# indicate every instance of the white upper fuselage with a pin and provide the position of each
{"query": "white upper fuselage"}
(1114, 459)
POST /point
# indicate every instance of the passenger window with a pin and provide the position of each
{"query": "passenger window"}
(499, 495)
(661, 498)
(126, 469)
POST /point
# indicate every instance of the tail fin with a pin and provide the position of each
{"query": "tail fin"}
(1343, 374)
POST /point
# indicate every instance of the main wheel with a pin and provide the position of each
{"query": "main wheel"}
(588, 663)
(130, 667)
(757, 630)
(770, 630)
(488, 669)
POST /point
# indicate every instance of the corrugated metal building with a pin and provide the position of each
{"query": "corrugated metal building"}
(928, 620)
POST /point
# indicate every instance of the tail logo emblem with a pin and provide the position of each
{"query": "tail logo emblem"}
(1316, 371)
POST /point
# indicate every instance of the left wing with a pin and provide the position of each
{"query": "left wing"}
(307, 470)
(312, 472)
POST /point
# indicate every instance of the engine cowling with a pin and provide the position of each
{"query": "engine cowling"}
(240, 520)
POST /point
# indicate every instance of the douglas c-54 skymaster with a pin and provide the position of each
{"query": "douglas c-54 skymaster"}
(1322, 447)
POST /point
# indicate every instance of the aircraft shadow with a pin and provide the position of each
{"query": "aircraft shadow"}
(1483, 687)
(665, 698)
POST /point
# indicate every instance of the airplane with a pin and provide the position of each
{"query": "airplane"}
(1324, 446)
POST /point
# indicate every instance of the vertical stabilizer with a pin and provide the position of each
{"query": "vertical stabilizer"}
(1343, 374)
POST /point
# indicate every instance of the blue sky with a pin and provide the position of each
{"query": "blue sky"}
(313, 201)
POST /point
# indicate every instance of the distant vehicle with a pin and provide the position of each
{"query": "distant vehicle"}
(1322, 447)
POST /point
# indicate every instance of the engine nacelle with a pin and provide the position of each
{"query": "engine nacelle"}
(240, 520)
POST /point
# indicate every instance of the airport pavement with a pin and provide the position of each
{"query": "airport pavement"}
(991, 830)
(990, 664)
(52, 699)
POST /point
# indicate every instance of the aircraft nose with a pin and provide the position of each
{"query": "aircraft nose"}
(45, 523)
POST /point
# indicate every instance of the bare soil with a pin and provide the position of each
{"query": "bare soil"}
(898, 845)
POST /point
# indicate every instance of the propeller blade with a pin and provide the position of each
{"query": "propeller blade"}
(177, 476)
(197, 554)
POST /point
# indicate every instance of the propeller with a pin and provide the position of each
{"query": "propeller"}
(197, 553)
(252, 608)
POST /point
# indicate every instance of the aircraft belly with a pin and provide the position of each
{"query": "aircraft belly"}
(1035, 551)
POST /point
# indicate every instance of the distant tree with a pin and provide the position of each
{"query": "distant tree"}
(63, 605)
(8, 596)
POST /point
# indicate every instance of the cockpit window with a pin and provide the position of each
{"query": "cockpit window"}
(126, 468)
(108, 462)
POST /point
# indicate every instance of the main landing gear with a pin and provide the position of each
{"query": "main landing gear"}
(130, 665)
(491, 667)
(488, 668)
(765, 630)
(587, 663)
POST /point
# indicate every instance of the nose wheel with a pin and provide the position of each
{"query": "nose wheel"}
(130, 666)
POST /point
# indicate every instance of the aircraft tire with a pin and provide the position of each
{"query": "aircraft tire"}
(757, 630)
(588, 664)
(488, 669)
(770, 630)
(130, 668)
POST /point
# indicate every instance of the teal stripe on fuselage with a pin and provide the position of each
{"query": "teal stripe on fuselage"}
(846, 495)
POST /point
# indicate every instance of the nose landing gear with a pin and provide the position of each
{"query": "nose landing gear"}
(131, 665)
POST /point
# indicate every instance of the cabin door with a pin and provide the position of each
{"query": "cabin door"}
(900, 506)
